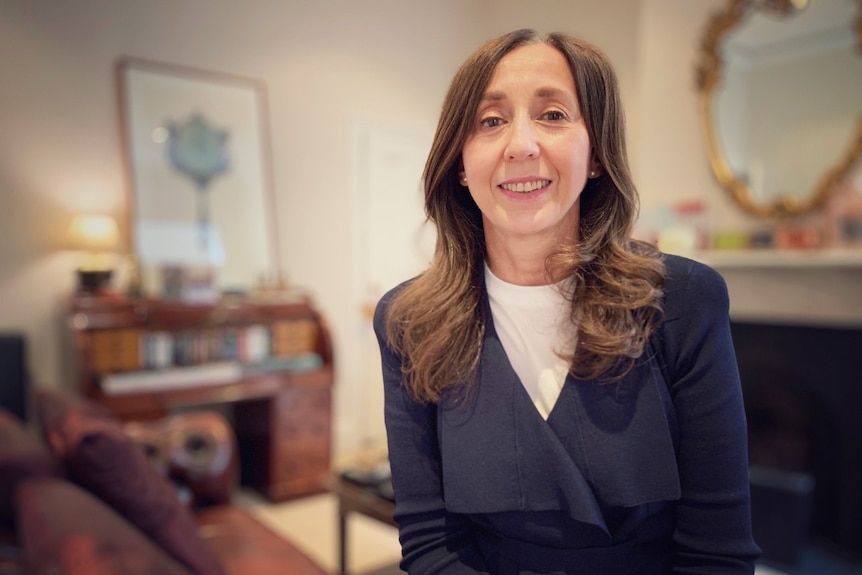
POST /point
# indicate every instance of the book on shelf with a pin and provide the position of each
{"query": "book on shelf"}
(172, 378)
(115, 349)
(160, 349)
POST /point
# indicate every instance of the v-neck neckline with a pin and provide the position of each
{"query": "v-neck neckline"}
(491, 331)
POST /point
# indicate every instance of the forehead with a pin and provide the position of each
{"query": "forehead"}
(533, 64)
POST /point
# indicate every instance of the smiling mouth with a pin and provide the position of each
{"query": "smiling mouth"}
(526, 187)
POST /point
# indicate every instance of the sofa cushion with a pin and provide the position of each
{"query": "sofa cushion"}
(101, 457)
(22, 455)
(64, 529)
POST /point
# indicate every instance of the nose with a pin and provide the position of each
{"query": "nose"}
(522, 143)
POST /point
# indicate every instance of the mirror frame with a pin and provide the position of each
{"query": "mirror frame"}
(709, 76)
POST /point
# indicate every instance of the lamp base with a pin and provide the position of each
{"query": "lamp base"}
(91, 281)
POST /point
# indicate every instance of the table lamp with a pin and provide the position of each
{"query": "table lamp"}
(97, 235)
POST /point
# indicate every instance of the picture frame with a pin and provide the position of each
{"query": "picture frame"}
(199, 174)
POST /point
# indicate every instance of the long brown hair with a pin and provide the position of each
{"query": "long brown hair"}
(437, 322)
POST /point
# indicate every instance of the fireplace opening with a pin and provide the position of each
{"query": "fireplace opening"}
(802, 387)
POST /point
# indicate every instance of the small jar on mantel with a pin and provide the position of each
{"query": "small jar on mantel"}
(844, 214)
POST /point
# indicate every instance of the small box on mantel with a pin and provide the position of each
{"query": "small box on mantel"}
(798, 237)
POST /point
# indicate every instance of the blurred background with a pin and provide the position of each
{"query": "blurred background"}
(353, 91)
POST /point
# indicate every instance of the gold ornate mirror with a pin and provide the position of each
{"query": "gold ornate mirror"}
(780, 86)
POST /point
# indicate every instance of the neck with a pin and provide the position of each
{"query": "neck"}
(520, 262)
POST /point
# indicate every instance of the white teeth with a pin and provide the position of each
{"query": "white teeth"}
(526, 187)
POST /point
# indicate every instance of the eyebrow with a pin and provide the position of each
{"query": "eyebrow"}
(543, 92)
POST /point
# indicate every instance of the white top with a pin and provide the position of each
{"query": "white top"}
(528, 321)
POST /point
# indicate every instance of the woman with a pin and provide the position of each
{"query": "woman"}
(559, 397)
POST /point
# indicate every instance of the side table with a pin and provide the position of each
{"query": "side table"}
(366, 500)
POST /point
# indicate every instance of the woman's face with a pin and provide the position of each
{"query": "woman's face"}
(528, 156)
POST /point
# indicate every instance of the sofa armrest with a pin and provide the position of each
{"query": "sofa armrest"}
(197, 450)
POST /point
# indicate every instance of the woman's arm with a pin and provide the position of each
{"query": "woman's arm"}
(432, 540)
(713, 528)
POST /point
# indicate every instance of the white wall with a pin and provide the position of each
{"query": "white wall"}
(328, 64)
(669, 159)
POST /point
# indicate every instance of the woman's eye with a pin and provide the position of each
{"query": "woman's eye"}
(554, 115)
(490, 122)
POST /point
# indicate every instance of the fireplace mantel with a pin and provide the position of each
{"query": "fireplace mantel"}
(819, 288)
(742, 259)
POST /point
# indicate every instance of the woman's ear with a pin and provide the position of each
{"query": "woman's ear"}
(595, 168)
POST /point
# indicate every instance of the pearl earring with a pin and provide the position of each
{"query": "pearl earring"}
(592, 173)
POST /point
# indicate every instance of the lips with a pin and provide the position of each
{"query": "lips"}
(526, 187)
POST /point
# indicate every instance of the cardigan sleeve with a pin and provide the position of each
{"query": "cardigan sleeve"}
(713, 516)
(432, 539)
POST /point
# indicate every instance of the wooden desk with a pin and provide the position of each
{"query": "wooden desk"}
(354, 498)
(282, 415)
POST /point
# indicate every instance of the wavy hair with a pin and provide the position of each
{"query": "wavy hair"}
(437, 322)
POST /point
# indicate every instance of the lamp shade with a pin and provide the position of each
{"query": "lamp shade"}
(94, 232)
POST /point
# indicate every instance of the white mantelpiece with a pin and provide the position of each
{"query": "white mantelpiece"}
(782, 259)
(811, 288)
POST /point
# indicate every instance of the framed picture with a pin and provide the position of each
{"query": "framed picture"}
(198, 161)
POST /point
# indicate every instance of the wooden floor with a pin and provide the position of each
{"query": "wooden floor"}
(311, 523)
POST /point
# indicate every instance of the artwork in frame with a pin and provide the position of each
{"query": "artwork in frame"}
(198, 166)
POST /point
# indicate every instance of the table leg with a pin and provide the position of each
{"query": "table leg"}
(342, 539)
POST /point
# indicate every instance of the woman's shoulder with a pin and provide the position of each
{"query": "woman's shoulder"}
(689, 283)
(382, 307)
(681, 266)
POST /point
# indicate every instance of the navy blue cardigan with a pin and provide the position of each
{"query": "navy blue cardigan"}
(647, 475)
